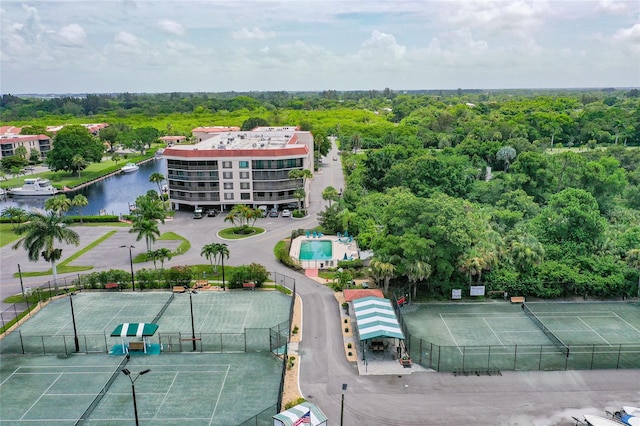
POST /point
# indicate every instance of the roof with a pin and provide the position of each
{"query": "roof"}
(214, 153)
(134, 329)
(375, 318)
(290, 416)
(215, 129)
(353, 294)
(6, 139)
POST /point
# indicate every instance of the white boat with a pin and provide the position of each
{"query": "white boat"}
(34, 187)
(599, 421)
(130, 167)
(632, 411)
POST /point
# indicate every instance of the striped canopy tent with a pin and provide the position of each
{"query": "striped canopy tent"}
(135, 329)
(375, 318)
(296, 416)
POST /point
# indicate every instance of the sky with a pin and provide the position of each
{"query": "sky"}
(89, 46)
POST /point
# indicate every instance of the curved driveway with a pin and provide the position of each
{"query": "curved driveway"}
(514, 398)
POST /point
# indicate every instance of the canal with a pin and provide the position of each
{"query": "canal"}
(111, 195)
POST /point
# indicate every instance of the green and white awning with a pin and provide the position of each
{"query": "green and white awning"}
(295, 415)
(375, 318)
(134, 329)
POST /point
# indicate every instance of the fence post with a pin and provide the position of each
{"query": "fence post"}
(21, 341)
(619, 351)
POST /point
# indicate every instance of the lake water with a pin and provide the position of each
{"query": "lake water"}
(113, 194)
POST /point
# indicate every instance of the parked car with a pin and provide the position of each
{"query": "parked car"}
(197, 213)
(274, 213)
(264, 210)
(286, 213)
(212, 212)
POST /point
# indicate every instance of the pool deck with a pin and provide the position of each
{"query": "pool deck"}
(339, 249)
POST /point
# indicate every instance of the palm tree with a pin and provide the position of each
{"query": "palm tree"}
(155, 256)
(78, 163)
(210, 252)
(417, 271)
(526, 252)
(147, 229)
(149, 208)
(15, 215)
(346, 217)
(157, 178)
(506, 154)
(59, 204)
(223, 251)
(164, 254)
(42, 231)
(356, 142)
(633, 259)
(330, 194)
(299, 194)
(383, 271)
(79, 201)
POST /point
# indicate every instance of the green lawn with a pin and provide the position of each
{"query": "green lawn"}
(6, 234)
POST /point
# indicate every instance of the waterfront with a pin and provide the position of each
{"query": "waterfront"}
(111, 195)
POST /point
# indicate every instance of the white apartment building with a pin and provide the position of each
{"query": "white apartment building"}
(228, 167)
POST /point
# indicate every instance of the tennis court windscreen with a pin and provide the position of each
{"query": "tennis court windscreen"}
(556, 341)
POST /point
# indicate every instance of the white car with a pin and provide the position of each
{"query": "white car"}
(286, 213)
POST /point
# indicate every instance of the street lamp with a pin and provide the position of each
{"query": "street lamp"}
(133, 388)
(193, 328)
(133, 282)
(344, 389)
(73, 319)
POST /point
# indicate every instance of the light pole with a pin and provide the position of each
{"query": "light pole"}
(133, 282)
(344, 389)
(193, 328)
(73, 319)
(133, 388)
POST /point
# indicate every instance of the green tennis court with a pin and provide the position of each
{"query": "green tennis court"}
(191, 389)
(501, 336)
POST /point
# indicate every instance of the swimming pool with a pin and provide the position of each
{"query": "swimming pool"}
(316, 250)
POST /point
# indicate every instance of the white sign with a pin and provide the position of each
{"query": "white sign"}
(477, 290)
(456, 293)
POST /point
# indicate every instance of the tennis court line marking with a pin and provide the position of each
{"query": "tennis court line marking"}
(246, 315)
(451, 334)
(593, 331)
(10, 375)
(43, 394)
(206, 316)
(213, 414)
(494, 333)
(626, 322)
(175, 376)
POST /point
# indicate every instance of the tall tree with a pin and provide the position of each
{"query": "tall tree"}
(157, 178)
(71, 141)
(384, 271)
(78, 164)
(633, 259)
(147, 229)
(15, 215)
(330, 194)
(80, 201)
(223, 252)
(58, 204)
(210, 252)
(42, 232)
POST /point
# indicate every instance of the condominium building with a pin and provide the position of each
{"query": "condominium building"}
(228, 166)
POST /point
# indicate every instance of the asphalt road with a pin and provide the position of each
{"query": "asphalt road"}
(513, 398)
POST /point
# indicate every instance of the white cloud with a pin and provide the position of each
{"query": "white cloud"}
(382, 45)
(171, 27)
(614, 6)
(127, 40)
(256, 33)
(628, 39)
(72, 36)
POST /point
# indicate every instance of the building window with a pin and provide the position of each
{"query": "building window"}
(227, 175)
(226, 164)
(244, 175)
(245, 185)
(244, 164)
(228, 185)
(228, 196)
(245, 196)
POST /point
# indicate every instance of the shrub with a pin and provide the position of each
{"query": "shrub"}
(350, 354)
(295, 329)
(346, 329)
(346, 321)
(349, 345)
(293, 403)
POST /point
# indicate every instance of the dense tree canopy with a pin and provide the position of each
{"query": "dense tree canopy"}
(71, 141)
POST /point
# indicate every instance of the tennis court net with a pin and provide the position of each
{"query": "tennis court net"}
(556, 341)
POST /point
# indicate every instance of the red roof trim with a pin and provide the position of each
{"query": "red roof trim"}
(213, 153)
